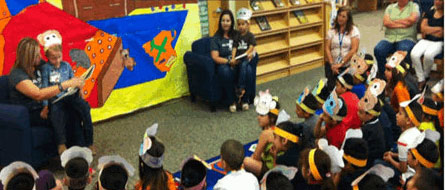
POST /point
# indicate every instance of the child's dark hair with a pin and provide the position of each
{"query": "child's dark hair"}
(273, 117)
(343, 110)
(428, 106)
(192, 173)
(156, 178)
(22, 181)
(277, 181)
(417, 111)
(372, 182)
(348, 79)
(398, 76)
(428, 179)
(220, 30)
(323, 164)
(428, 150)
(293, 129)
(114, 177)
(356, 148)
(77, 171)
(232, 152)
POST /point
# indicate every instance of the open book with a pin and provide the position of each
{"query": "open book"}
(70, 91)
(244, 55)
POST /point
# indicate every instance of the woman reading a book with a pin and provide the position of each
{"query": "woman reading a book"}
(341, 44)
(221, 51)
(25, 80)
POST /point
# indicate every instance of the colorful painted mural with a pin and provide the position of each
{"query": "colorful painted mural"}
(137, 58)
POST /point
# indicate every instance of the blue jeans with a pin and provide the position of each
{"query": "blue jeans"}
(241, 71)
(385, 48)
(226, 77)
(58, 118)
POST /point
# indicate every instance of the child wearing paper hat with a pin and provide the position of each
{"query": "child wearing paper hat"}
(114, 172)
(321, 92)
(306, 106)
(76, 161)
(334, 128)
(244, 42)
(194, 174)
(374, 178)
(288, 142)
(343, 88)
(151, 158)
(437, 96)
(395, 79)
(18, 175)
(262, 160)
(315, 169)
(408, 117)
(426, 178)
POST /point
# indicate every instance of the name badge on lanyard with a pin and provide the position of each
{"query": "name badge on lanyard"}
(340, 42)
(54, 77)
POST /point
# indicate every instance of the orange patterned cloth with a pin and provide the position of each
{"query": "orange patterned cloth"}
(400, 94)
(171, 183)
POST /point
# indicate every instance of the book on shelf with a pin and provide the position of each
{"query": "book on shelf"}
(278, 3)
(256, 5)
(263, 23)
(300, 16)
(295, 2)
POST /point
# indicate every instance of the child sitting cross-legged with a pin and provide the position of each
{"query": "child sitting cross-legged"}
(18, 175)
(306, 105)
(76, 161)
(114, 172)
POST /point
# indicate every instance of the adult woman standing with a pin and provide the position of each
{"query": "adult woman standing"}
(25, 81)
(432, 44)
(341, 44)
(221, 51)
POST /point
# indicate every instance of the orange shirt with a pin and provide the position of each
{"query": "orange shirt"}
(440, 116)
(170, 182)
(400, 94)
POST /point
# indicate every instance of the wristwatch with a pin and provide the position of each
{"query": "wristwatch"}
(60, 86)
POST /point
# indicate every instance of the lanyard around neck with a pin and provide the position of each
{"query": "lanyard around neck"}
(340, 39)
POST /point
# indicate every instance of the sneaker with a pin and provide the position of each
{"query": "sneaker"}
(245, 106)
(232, 108)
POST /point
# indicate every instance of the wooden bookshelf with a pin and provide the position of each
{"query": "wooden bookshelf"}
(289, 46)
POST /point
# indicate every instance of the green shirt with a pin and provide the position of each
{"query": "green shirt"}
(399, 34)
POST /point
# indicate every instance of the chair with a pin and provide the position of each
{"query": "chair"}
(19, 141)
(202, 76)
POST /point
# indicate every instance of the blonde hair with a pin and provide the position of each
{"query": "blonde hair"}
(26, 53)
(53, 48)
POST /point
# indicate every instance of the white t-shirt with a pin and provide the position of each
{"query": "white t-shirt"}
(335, 38)
(238, 180)
(406, 141)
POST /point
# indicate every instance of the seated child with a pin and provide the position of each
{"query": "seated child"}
(437, 96)
(360, 67)
(375, 178)
(54, 72)
(243, 43)
(47, 181)
(114, 172)
(18, 175)
(305, 108)
(369, 109)
(330, 123)
(397, 89)
(76, 161)
(343, 88)
(355, 158)
(288, 139)
(321, 93)
(408, 117)
(426, 178)
(315, 171)
(151, 158)
(194, 174)
(425, 154)
(232, 155)
(262, 159)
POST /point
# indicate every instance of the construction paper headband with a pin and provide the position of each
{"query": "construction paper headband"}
(345, 80)
(206, 165)
(289, 172)
(15, 168)
(289, 136)
(334, 154)
(107, 161)
(407, 106)
(437, 89)
(244, 14)
(396, 60)
(320, 93)
(76, 152)
(302, 103)
(313, 167)
(368, 103)
(265, 102)
(152, 161)
(355, 161)
(379, 170)
(333, 105)
(359, 67)
(429, 110)
(421, 159)
(351, 133)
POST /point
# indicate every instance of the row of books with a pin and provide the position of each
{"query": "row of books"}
(264, 24)
(256, 5)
